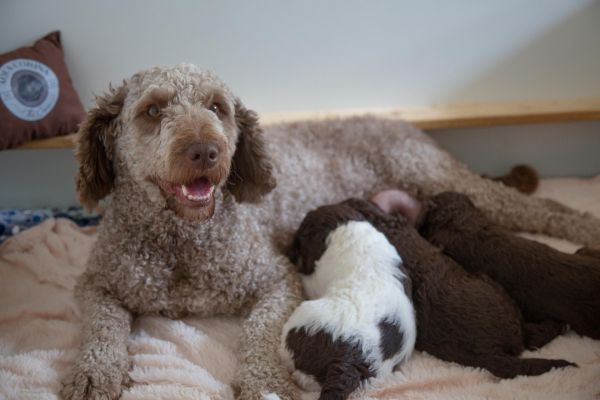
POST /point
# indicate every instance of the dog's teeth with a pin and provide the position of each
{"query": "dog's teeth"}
(191, 197)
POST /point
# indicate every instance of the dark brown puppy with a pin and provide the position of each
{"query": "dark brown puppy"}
(547, 284)
(461, 317)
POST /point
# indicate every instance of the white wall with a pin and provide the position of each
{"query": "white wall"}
(310, 55)
(282, 55)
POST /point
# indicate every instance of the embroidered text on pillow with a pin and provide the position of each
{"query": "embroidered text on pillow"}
(28, 88)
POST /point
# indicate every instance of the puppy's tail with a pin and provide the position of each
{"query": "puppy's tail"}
(342, 379)
(508, 367)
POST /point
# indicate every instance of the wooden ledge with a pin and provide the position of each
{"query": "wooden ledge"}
(428, 118)
(58, 142)
(450, 116)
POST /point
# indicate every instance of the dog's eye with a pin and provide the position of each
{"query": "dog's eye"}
(214, 107)
(153, 111)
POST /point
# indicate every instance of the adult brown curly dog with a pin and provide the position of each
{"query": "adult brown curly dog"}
(190, 228)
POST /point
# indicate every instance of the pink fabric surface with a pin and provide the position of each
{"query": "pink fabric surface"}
(196, 358)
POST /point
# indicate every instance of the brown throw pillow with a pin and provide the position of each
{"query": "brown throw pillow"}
(37, 99)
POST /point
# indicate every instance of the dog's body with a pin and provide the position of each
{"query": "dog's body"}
(184, 160)
(546, 283)
(359, 322)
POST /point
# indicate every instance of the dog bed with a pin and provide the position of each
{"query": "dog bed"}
(196, 358)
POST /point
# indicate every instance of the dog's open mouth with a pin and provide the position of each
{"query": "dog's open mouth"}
(196, 193)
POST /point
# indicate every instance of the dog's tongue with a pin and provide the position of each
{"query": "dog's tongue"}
(199, 188)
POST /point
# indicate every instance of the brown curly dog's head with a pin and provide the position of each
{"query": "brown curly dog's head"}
(178, 133)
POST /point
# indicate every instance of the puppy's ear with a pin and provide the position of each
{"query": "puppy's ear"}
(293, 251)
(95, 147)
(305, 263)
(251, 174)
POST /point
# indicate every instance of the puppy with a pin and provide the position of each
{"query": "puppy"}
(547, 284)
(461, 316)
(360, 322)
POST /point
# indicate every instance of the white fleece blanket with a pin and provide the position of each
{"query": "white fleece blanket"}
(196, 358)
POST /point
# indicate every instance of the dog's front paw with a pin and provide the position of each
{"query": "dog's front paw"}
(91, 383)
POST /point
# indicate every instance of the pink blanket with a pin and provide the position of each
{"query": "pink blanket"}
(196, 358)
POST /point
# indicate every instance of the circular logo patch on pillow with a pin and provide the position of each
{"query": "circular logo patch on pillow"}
(28, 88)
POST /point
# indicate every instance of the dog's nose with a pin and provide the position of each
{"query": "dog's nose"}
(203, 155)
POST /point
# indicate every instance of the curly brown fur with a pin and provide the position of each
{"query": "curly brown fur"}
(461, 317)
(547, 284)
(253, 175)
(158, 253)
(95, 148)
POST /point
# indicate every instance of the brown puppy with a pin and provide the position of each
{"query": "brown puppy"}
(461, 317)
(547, 284)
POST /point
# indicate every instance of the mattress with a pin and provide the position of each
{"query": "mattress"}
(196, 358)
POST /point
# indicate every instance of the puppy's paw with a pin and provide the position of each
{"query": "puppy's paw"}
(270, 396)
(278, 394)
(303, 396)
(93, 384)
(306, 382)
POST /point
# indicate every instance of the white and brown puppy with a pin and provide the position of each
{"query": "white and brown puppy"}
(359, 322)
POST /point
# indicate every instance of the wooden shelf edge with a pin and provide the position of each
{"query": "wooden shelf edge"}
(57, 142)
(436, 117)
(433, 117)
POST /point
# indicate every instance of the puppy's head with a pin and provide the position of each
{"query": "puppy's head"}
(310, 241)
(179, 134)
(450, 210)
(451, 205)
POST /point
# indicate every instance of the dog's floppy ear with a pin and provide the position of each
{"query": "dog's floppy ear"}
(251, 174)
(95, 147)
